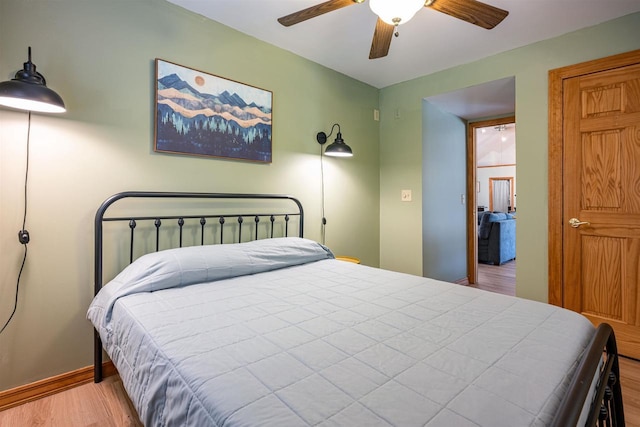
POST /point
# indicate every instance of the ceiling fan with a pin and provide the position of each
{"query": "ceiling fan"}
(392, 13)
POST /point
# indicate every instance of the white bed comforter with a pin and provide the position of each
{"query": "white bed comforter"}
(298, 338)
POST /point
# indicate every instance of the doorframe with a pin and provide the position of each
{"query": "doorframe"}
(555, 150)
(472, 196)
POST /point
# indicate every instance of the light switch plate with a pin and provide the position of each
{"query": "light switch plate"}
(405, 195)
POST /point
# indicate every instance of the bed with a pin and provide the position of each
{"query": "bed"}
(228, 316)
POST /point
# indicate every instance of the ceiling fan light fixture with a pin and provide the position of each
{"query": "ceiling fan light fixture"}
(396, 12)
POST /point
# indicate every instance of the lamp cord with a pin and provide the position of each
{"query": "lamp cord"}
(26, 174)
(15, 304)
(324, 219)
(24, 221)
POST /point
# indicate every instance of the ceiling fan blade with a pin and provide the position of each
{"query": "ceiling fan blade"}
(472, 11)
(381, 39)
(313, 11)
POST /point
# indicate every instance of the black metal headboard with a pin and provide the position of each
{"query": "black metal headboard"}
(207, 215)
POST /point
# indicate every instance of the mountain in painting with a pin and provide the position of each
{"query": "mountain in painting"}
(225, 99)
(221, 125)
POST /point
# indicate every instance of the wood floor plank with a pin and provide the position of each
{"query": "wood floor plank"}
(495, 278)
(630, 383)
(90, 405)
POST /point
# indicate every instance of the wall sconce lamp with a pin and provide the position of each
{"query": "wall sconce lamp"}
(336, 149)
(28, 91)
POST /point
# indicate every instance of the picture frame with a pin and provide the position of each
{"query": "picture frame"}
(201, 114)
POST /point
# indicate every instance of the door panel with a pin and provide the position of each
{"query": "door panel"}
(602, 279)
(601, 152)
(601, 165)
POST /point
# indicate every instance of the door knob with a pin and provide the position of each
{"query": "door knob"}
(575, 222)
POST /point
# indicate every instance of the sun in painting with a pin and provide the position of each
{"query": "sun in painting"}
(199, 80)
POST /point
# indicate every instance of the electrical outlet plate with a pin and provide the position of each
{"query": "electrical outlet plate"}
(405, 195)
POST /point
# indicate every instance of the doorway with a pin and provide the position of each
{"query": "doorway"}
(474, 103)
(490, 160)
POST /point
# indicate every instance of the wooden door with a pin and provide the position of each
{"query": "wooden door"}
(601, 195)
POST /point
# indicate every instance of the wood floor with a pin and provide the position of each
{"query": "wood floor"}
(630, 382)
(97, 405)
(106, 404)
(495, 278)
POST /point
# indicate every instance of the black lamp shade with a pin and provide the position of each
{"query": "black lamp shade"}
(28, 91)
(338, 148)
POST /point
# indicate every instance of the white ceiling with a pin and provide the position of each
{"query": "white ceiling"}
(496, 145)
(430, 42)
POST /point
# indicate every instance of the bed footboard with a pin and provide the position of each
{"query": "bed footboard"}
(584, 405)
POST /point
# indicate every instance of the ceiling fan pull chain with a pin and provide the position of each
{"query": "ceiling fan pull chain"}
(396, 22)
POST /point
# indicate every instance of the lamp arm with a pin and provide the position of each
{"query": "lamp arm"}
(332, 128)
(322, 137)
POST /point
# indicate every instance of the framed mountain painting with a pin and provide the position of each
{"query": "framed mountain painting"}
(201, 114)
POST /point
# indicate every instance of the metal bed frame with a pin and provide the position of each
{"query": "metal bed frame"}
(178, 221)
(595, 384)
(599, 364)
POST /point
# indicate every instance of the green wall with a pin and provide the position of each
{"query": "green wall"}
(401, 143)
(99, 55)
